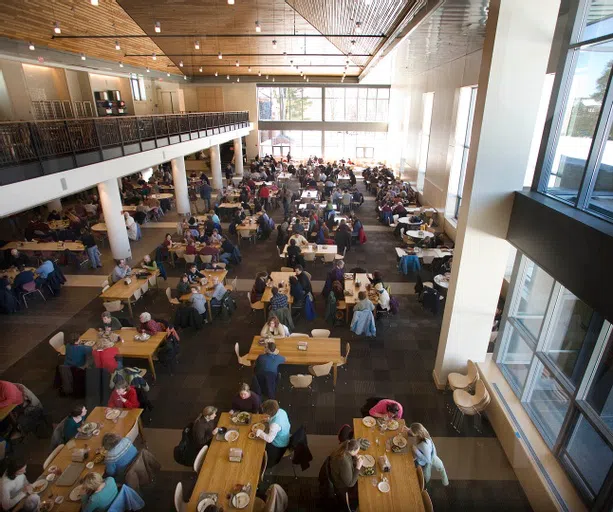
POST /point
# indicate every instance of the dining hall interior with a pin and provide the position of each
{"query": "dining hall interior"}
(306, 255)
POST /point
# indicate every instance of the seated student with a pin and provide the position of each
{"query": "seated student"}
(215, 237)
(121, 271)
(120, 452)
(269, 361)
(259, 286)
(274, 328)
(150, 326)
(219, 290)
(198, 301)
(194, 276)
(184, 286)
(303, 279)
(296, 291)
(204, 428)
(8, 299)
(152, 266)
(386, 408)
(24, 277)
(345, 465)
(123, 396)
(278, 300)
(209, 250)
(191, 248)
(294, 253)
(383, 304)
(108, 319)
(99, 493)
(45, 269)
(364, 303)
(76, 355)
(300, 240)
(246, 400)
(73, 422)
(230, 252)
(10, 394)
(278, 436)
(15, 490)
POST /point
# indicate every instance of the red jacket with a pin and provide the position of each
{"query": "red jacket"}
(10, 394)
(130, 397)
(105, 359)
(264, 192)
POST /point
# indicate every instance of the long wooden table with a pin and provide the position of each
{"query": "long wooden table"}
(319, 250)
(210, 275)
(64, 458)
(124, 292)
(276, 278)
(219, 475)
(45, 246)
(405, 494)
(130, 347)
(319, 351)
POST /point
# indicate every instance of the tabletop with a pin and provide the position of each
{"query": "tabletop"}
(45, 246)
(64, 458)
(405, 494)
(319, 250)
(276, 278)
(309, 194)
(12, 272)
(130, 347)
(302, 206)
(419, 234)
(319, 350)
(180, 246)
(99, 228)
(210, 275)
(284, 176)
(219, 475)
(58, 224)
(122, 291)
(407, 220)
(128, 208)
(350, 284)
(249, 224)
(5, 411)
(230, 205)
(161, 196)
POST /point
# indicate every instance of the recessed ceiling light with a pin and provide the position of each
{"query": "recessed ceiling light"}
(180, 63)
(121, 64)
(56, 27)
(230, 2)
(167, 74)
(154, 56)
(83, 56)
(117, 47)
(227, 77)
(94, 2)
(274, 44)
(353, 42)
(197, 45)
(148, 70)
(200, 69)
(259, 73)
(249, 69)
(158, 27)
(237, 64)
(216, 73)
(358, 27)
(31, 46)
(219, 56)
(238, 79)
(184, 77)
(257, 27)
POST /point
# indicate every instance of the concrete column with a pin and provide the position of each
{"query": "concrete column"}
(110, 199)
(216, 167)
(238, 157)
(147, 173)
(517, 37)
(179, 180)
(120, 183)
(56, 204)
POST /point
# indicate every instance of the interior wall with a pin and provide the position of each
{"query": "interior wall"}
(16, 86)
(112, 83)
(6, 110)
(45, 83)
(79, 86)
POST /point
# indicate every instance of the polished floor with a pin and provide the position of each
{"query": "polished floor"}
(398, 364)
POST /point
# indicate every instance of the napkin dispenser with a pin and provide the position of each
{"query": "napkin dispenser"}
(78, 455)
(384, 464)
(303, 345)
(127, 280)
(235, 455)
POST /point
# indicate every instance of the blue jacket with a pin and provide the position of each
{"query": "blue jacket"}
(76, 355)
(120, 457)
(409, 263)
(269, 363)
(281, 440)
(127, 499)
(363, 322)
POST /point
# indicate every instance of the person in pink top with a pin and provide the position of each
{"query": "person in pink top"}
(388, 409)
(10, 394)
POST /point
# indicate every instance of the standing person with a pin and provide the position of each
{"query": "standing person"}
(383, 304)
(264, 195)
(286, 196)
(15, 488)
(205, 194)
(303, 279)
(93, 253)
(345, 465)
(131, 226)
(277, 439)
(424, 453)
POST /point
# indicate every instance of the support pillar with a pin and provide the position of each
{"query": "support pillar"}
(179, 180)
(56, 205)
(216, 167)
(110, 199)
(517, 36)
(238, 157)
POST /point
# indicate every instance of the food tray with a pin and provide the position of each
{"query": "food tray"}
(70, 475)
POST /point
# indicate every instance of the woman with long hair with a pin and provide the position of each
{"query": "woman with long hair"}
(15, 488)
(273, 327)
(345, 465)
(204, 427)
(424, 453)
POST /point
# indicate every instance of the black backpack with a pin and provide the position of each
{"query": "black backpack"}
(184, 451)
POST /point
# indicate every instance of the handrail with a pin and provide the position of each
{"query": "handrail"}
(36, 148)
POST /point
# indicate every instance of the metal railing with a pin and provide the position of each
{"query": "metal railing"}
(58, 145)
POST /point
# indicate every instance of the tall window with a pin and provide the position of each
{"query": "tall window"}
(289, 103)
(301, 144)
(461, 146)
(556, 352)
(577, 161)
(138, 88)
(424, 136)
(361, 104)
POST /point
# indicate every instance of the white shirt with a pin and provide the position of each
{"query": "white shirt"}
(384, 299)
(300, 240)
(11, 490)
(273, 430)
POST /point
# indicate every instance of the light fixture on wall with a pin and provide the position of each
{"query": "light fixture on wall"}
(197, 45)
(147, 70)
(249, 69)
(31, 46)
(121, 64)
(167, 74)
(216, 73)
(237, 64)
(273, 78)
(200, 69)
(154, 56)
(307, 80)
(274, 44)
(184, 77)
(266, 77)
(83, 56)
(291, 63)
(56, 27)
(257, 26)
(180, 63)
(158, 27)
(94, 2)
(117, 47)
(358, 27)
(230, 2)
(219, 56)
(238, 79)
(259, 73)
(227, 77)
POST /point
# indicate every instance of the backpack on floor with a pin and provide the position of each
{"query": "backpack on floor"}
(184, 452)
(394, 306)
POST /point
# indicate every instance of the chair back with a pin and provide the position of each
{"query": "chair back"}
(133, 434)
(473, 371)
(57, 342)
(425, 497)
(241, 360)
(29, 287)
(169, 294)
(145, 288)
(179, 503)
(347, 350)
(481, 394)
(113, 305)
(105, 283)
(320, 333)
(137, 294)
(301, 381)
(264, 466)
(420, 478)
(320, 370)
(298, 335)
(190, 258)
(180, 253)
(52, 455)
(287, 269)
(309, 256)
(329, 257)
(307, 274)
(153, 280)
(206, 258)
(105, 288)
(234, 284)
(245, 233)
(200, 458)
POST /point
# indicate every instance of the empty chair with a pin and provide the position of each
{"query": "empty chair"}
(52, 456)
(329, 257)
(320, 370)
(29, 289)
(104, 283)
(190, 258)
(301, 381)
(179, 253)
(57, 342)
(320, 333)
(173, 301)
(221, 265)
(341, 256)
(200, 458)
(180, 505)
(206, 258)
(425, 497)
(133, 434)
(460, 381)
(241, 360)
(249, 235)
(471, 405)
(309, 256)
(113, 305)
(256, 306)
(287, 269)
(233, 285)
(298, 335)
(137, 295)
(145, 288)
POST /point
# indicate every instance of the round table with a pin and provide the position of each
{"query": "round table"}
(419, 234)
(441, 280)
(161, 196)
(99, 228)
(406, 220)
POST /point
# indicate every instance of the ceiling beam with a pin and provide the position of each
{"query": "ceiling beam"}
(218, 36)
(249, 55)
(268, 66)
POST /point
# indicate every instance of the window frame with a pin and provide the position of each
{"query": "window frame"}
(135, 87)
(424, 140)
(465, 149)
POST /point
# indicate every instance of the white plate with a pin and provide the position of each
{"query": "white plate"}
(383, 486)
(39, 486)
(205, 503)
(392, 425)
(112, 414)
(231, 436)
(369, 421)
(59, 499)
(50, 477)
(89, 465)
(368, 461)
(76, 493)
(52, 469)
(399, 441)
(240, 500)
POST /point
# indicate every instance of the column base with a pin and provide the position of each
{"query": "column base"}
(440, 386)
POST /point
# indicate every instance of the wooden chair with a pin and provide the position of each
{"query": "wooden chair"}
(190, 258)
(309, 257)
(241, 359)
(52, 456)
(57, 342)
(341, 256)
(245, 234)
(466, 382)
(301, 381)
(320, 333)
(206, 258)
(133, 434)
(256, 306)
(233, 285)
(425, 497)
(328, 257)
(200, 458)
(173, 301)
(320, 370)
(180, 505)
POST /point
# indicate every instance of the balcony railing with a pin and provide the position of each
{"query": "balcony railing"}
(32, 149)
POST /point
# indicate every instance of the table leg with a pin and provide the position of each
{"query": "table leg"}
(210, 309)
(141, 430)
(152, 366)
(334, 374)
(130, 308)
